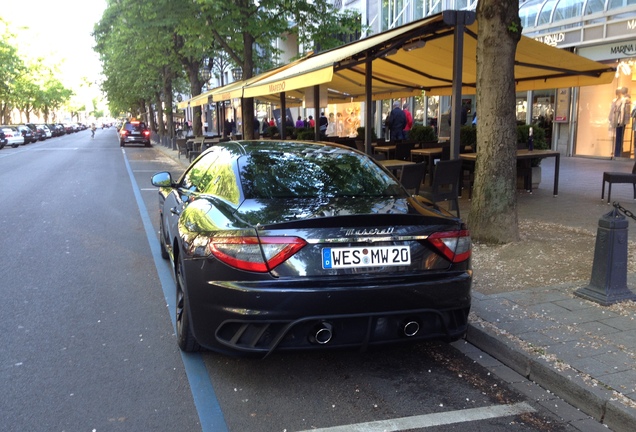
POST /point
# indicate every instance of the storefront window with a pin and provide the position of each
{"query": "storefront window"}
(543, 111)
(418, 110)
(432, 112)
(595, 136)
(347, 119)
(521, 107)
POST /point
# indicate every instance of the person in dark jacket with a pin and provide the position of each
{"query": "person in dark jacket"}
(396, 122)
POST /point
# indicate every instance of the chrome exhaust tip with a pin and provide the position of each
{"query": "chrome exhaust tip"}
(322, 333)
(410, 328)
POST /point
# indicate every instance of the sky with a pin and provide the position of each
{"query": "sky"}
(59, 31)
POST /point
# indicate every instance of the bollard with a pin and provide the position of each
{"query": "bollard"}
(608, 284)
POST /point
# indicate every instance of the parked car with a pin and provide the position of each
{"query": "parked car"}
(45, 130)
(3, 139)
(134, 132)
(285, 245)
(60, 129)
(13, 135)
(38, 132)
(26, 132)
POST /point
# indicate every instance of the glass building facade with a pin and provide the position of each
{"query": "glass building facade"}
(576, 119)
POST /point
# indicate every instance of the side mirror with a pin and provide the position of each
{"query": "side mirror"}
(162, 179)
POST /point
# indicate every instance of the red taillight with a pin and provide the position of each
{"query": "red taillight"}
(146, 133)
(247, 253)
(454, 245)
(123, 133)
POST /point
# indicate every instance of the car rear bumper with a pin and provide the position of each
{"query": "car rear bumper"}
(263, 316)
(135, 140)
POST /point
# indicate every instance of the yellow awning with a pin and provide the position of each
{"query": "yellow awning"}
(228, 92)
(419, 57)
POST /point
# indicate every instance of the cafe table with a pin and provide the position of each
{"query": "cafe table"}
(388, 149)
(394, 164)
(525, 154)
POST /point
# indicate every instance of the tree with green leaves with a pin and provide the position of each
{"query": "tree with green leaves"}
(10, 71)
(260, 23)
(138, 58)
(493, 212)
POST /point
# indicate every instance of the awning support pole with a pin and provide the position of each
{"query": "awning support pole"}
(283, 116)
(368, 106)
(460, 19)
(316, 112)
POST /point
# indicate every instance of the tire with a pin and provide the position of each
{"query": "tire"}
(162, 243)
(185, 338)
(15, 145)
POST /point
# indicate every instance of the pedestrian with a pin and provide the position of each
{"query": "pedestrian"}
(257, 127)
(300, 123)
(396, 122)
(272, 123)
(312, 122)
(409, 119)
(227, 128)
(265, 125)
(322, 124)
(93, 130)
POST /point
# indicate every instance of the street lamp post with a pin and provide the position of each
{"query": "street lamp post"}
(237, 73)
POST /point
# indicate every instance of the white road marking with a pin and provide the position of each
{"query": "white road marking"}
(436, 419)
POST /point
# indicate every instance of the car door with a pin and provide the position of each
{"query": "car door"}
(185, 192)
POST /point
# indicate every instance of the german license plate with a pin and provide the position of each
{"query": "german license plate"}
(365, 257)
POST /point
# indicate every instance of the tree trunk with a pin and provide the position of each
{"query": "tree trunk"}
(248, 103)
(192, 69)
(493, 213)
(159, 111)
(169, 124)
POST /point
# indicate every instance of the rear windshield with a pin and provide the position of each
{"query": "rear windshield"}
(135, 126)
(313, 174)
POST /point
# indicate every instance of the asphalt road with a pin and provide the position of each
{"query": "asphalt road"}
(87, 336)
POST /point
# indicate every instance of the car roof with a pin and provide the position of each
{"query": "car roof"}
(245, 147)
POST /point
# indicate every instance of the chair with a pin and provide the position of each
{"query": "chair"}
(403, 150)
(618, 177)
(182, 148)
(412, 177)
(445, 183)
(524, 169)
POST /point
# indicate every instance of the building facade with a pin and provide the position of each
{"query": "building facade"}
(577, 120)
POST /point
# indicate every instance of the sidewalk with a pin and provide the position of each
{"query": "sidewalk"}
(580, 351)
(577, 350)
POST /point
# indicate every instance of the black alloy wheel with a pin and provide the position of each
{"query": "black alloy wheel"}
(162, 241)
(185, 338)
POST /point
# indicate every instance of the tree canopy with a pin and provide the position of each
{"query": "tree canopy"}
(145, 60)
(27, 87)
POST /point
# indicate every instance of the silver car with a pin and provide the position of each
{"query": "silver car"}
(13, 136)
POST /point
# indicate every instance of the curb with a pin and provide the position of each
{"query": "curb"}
(597, 402)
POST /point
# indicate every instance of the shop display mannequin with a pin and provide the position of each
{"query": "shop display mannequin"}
(620, 111)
